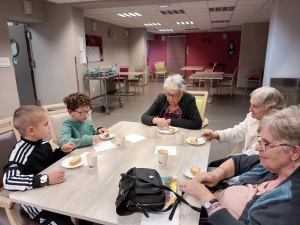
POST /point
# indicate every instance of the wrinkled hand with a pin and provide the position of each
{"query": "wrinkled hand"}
(162, 122)
(209, 179)
(208, 134)
(196, 189)
(56, 177)
(68, 147)
(96, 138)
(103, 130)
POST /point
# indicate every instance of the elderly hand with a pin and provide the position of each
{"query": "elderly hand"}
(209, 134)
(196, 189)
(68, 147)
(162, 122)
(209, 179)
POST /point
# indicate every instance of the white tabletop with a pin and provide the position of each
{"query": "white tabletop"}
(91, 193)
(192, 68)
(207, 75)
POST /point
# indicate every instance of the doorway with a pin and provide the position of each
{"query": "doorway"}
(176, 54)
(23, 63)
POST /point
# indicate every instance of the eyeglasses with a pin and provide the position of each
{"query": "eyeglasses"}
(83, 113)
(264, 145)
(172, 95)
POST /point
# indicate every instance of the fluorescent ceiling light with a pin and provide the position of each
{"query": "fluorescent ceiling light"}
(191, 22)
(121, 15)
(164, 5)
(131, 14)
(178, 23)
(137, 14)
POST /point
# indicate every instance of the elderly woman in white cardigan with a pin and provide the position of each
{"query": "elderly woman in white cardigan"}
(263, 101)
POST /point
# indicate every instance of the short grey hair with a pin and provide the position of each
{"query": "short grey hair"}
(283, 125)
(268, 97)
(175, 82)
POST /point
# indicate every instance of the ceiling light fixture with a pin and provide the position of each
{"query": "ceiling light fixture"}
(164, 6)
(185, 23)
(137, 14)
(129, 14)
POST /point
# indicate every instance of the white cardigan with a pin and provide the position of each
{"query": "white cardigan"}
(245, 131)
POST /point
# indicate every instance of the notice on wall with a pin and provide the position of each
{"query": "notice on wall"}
(4, 62)
(82, 56)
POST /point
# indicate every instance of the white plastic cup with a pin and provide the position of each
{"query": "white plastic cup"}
(162, 157)
(92, 159)
(153, 131)
(120, 140)
(180, 137)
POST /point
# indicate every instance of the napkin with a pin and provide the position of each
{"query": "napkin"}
(103, 145)
(171, 149)
(134, 138)
(83, 156)
(160, 218)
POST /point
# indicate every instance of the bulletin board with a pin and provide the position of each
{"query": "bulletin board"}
(94, 48)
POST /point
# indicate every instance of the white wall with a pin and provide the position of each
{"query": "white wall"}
(283, 51)
(253, 49)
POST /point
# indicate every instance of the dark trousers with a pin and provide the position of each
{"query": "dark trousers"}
(50, 218)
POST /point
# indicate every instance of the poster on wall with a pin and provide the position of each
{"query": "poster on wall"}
(94, 48)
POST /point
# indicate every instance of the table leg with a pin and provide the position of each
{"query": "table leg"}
(209, 97)
(126, 91)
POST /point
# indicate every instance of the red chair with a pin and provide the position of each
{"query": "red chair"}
(121, 77)
(254, 78)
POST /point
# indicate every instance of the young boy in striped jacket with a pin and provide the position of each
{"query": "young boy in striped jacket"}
(30, 156)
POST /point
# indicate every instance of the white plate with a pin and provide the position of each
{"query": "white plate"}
(105, 138)
(165, 131)
(66, 163)
(200, 141)
(187, 172)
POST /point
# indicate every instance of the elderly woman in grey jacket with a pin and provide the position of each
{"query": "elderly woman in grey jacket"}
(175, 107)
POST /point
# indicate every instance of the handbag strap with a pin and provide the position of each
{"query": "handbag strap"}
(175, 204)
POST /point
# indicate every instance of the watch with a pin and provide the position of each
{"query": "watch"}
(208, 205)
(44, 180)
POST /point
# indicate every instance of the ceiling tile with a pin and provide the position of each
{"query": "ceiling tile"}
(213, 4)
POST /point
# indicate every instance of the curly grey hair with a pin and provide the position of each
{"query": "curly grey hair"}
(268, 97)
(283, 125)
(175, 82)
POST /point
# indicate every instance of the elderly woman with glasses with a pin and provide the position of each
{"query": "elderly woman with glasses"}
(175, 107)
(263, 101)
(266, 188)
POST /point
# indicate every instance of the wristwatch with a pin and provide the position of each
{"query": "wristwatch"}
(208, 205)
(44, 180)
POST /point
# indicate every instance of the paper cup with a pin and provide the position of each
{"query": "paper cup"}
(92, 159)
(180, 137)
(153, 131)
(162, 157)
(120, 140)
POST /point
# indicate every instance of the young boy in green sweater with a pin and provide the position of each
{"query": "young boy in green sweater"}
(79, 128)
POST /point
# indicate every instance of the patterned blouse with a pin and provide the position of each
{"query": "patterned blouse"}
(175, 114)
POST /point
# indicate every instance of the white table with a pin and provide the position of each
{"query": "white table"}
(193, 69)
(90, 194)
(208, 76)
(125, 75)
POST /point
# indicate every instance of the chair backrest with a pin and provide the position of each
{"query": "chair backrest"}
(58, 113)
(9, 136)
(201, 99)
(123, 69)
(160, 65)
(214, 66)
(139, 69)
(235, 72)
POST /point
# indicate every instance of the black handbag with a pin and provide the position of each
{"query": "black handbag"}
(141, 189)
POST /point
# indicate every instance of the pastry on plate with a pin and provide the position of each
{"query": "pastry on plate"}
(193, 141)
(75, 160)
(172, 130)
(106, 135)
(195, 170)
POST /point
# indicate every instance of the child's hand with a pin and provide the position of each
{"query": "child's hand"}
(96, 138)
(102, 130)
(68, 147)
(56, 177)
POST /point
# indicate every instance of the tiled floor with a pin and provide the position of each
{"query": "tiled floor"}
(222, 113)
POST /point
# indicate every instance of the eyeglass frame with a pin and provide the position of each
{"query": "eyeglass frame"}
(264, 145)
(172, 95)
(84, 112)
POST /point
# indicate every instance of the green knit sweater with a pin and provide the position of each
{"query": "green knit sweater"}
(80, 133)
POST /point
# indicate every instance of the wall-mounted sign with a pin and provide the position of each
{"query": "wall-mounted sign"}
(231, 49)
(207, 40)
